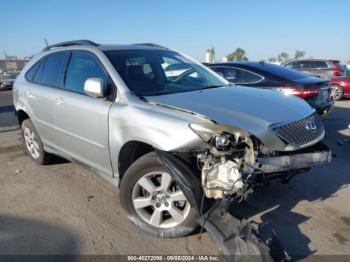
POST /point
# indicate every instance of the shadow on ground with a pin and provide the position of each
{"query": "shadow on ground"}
(278, 201)
(20, 236)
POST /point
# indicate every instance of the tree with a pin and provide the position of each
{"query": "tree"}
(283, 57)
(299, 54)
(237, 55)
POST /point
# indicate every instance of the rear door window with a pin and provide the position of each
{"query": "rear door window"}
(305, 64)
(291, 65)
(248, 77)
(83, 65)
(229, 73)
(52, 71)
(238, 76)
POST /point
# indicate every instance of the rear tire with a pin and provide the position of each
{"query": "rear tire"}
(32, 145)
(161, 215)
(337, 92)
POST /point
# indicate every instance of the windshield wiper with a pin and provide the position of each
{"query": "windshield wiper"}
(211, 86)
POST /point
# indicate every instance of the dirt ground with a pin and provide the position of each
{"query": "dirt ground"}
(65, 209)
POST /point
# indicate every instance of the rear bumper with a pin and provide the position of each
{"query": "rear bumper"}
(304, 159)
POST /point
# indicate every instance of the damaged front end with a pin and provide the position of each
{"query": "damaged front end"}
(227, 171)
(236, 162)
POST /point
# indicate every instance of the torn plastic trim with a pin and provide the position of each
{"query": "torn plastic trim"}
(293, 161)
(239, 239)
(235, 238)
(184, 177)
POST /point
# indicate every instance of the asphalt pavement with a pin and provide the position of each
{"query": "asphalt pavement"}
(64, 209)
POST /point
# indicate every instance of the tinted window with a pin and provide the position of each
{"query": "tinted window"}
(37, 77)
(238, 76)
(229, 73)
(247, 77)
(82, 65)
(290, 65)
(31, 72)
(53, 68)
(319, 64)
(305, 64)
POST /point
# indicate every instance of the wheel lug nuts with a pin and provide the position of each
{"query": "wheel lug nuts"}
(158, 205)
(154, 197)
(166, 204)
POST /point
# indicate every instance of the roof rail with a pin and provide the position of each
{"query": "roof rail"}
(151, 45)
(69, 43)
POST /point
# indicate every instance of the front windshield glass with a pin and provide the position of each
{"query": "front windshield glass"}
(158, 72)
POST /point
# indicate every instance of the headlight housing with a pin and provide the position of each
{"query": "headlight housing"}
(204, 131)
(219, 136)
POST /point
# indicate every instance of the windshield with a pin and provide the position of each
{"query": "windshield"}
(158, 72)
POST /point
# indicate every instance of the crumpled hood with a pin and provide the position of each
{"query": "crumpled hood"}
(243, 107)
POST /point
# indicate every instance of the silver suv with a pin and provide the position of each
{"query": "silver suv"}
(317, 67)
(169, 132)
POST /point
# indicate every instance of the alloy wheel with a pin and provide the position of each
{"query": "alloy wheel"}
(337, 93)
(159, 201)
(31, 143)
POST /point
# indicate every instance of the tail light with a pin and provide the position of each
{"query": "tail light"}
(301, 92)
(337, 69)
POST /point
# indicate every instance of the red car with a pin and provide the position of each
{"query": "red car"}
(340, 87)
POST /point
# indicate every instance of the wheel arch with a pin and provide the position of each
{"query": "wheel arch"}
(21, 116)
(129, 153)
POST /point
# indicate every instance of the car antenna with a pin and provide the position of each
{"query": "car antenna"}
(47, 44)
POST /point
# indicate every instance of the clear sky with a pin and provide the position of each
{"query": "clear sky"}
(263, 28)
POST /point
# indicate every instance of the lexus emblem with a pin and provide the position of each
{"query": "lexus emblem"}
(311, 126)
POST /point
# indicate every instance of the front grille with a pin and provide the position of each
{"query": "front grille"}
(301, 133)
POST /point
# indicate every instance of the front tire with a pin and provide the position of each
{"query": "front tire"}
(32, 145)
(153, 201)
(337, 92)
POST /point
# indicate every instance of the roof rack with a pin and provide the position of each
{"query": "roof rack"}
(151, 45)
(69, 43)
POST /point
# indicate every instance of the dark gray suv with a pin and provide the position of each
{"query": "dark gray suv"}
(318, 67)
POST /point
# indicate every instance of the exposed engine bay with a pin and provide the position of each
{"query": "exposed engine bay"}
(234, 164)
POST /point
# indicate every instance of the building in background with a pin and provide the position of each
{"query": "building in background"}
(12, 63)
(210, 55)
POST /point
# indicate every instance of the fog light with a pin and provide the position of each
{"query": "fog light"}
(222, 140)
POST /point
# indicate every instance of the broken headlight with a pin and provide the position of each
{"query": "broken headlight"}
(213, 134)
(222, 140)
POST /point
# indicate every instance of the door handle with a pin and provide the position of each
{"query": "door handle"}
(59, 101)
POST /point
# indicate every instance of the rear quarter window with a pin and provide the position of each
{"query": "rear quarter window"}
(319, 64)
(32, 71)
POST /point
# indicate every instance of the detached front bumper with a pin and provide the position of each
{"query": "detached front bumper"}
(319, 154)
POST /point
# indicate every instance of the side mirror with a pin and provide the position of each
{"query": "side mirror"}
(94, 87)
